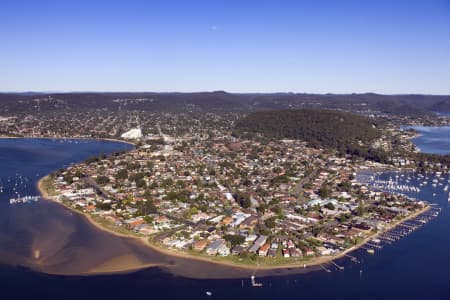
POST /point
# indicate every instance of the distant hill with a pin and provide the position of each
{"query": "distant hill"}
(348, 133)
(442, 106)
(219, 101)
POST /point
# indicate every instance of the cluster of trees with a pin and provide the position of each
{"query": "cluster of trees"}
(325, 191)
(122, 174)
(425, 159)
(234, 239)
(243, 200)
(348, 133)
(102, 180)
(145, 208)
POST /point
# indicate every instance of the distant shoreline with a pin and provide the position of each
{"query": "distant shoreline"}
(69, 138)
(306, 266)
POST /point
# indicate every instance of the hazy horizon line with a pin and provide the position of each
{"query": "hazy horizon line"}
(214, 91)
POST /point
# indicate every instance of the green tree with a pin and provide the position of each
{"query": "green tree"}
(324, 192)
(360, 209)
(329, 205)
(234, 239)
(140, 183)
(102, 180)
(122, 174)
(270, 222)
(246, 202)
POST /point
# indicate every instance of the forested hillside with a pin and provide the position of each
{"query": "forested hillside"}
(346, 132)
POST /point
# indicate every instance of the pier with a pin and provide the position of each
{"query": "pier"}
(352, 258)
(379, 247)
(337, 266)
(325, 269)
(254, 283)
(401, 230)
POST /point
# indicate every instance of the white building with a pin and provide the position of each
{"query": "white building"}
(135, 133)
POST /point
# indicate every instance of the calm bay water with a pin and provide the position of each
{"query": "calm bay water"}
(435, 140)
(416, 267)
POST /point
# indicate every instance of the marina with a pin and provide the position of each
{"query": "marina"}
(19, 186)
(400, 231)
(24, 199)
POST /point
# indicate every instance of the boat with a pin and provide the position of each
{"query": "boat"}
(208, 293)
(370, 251)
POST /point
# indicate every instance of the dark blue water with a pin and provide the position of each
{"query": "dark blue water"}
(435, 140)
(416, 267)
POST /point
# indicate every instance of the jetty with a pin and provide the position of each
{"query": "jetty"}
(337, 266)
(325, 269)
(352, 258)
(254, 283)
(401, 230)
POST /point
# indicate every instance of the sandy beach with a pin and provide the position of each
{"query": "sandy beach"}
(124, 264)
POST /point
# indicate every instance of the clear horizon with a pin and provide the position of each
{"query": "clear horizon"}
(383, 47)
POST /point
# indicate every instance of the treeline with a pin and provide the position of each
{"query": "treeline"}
(348, 133)
(424, 160)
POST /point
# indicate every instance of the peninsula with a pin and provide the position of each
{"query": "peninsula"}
(263, 195)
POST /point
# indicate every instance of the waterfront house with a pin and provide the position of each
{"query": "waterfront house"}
(237, 250)
(308, 251)
(223, 250)
(214, 247)
(261, 240)
(324, 251)
(199, 245)
(133, 222)
(263, 250)
(272, 253)
(146, 229)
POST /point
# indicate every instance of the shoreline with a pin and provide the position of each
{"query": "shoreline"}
(301, 267)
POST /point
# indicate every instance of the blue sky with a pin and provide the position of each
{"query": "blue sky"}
(338, 46)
